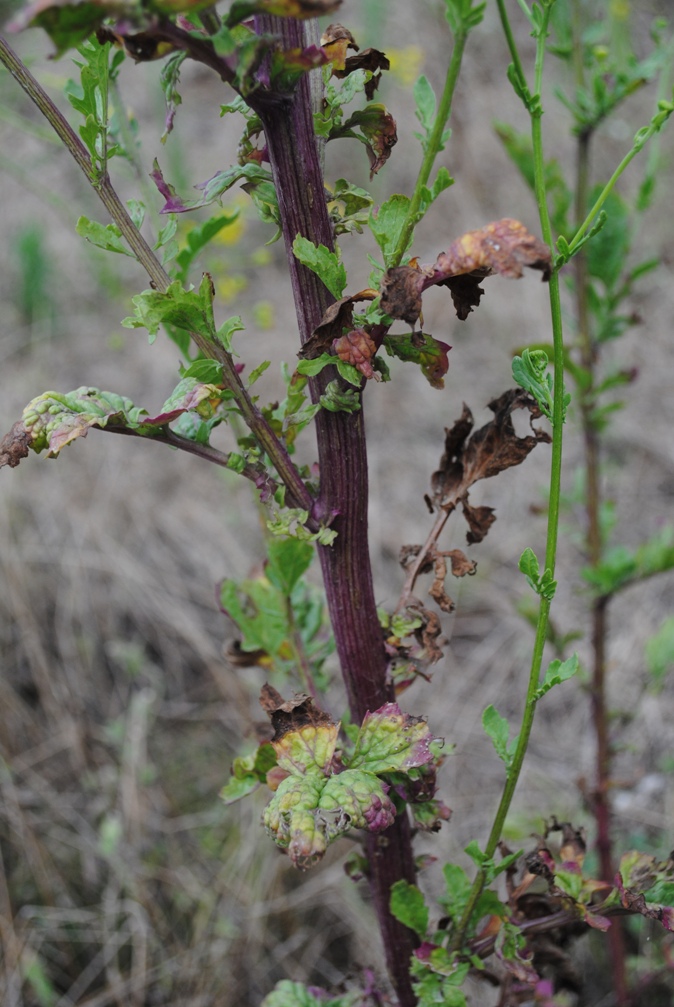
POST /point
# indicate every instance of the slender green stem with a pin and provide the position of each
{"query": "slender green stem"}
(510, 39)
(643, 137)
(433, 147)
(553, 505)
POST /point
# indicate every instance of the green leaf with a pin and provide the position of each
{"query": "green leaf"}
(259, 370)
(291, 994)
(260, 611)
(530, 373)
(338, 399)
(227, 330)
(528, 565)
(108, 236)
(324, 263)
(423, 349)
(458, 887)
(199, 237)
(248, 772)
(389, 740)
(309, 812)
(191, 310)
(387, 224)
(426, 105)
(289, 559)
(497, 728)
(408, 906)
(558, 672)
(208, 371)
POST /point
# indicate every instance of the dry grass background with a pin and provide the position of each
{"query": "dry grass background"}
(122, 878)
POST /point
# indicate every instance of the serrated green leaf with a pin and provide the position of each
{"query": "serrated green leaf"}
(190, 310)
(558, 672)
(208, 371)
(324, 263)
(105, 236)
(289, 559)
(387, 223)
(408, 906)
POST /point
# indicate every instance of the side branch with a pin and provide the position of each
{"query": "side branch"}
(298, 494)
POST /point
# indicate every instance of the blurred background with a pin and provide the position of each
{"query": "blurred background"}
(123, 878)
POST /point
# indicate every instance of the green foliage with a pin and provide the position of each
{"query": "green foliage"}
(291, 994)
(387, 223)
(191, 310)
(325, 264)
(530, 371)
(621, 566)
(408, 906)
(90, 99)
(497, 728)
(558, 672)
(108, 236)
(543, 584)
(346, 370)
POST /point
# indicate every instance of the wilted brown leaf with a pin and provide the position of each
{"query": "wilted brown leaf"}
(337, 317)
(491, 449)
(336, 40)
(504, 247)
(369, 59)
(358, 349)
(291, 714)
(437, 589)
(15, 445)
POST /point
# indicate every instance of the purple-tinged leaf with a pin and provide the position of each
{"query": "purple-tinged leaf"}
(390, 740)
(211, 190)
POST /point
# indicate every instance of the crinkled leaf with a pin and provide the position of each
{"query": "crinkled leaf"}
(378, 129)
(307, 813)
(338, 399)
(504, 247)
(189, 394)
(191, 309)
(324, 263)
(389, 740)
(471, 456)
(170, 80)
(357, 348)
(409, 907)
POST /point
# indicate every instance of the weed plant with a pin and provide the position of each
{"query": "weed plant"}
(349, 765)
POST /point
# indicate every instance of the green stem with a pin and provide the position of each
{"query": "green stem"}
(554, 498)
(433, 147)
(510, 39)
(643, 137)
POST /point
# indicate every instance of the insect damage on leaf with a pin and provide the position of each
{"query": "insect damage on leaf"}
(504, 247)
(358, 348)
(336, 40)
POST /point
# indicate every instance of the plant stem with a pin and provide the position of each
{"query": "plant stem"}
(295, 161)
(434, 145)
(515, 768)
(298, 494)
(601, 805)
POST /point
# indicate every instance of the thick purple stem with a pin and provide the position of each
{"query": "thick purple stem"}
(295, 162)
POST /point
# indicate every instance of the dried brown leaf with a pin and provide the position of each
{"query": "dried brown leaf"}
(338, 316)
(291, 714)
(15, 445)
(504, 247)
(335, 41)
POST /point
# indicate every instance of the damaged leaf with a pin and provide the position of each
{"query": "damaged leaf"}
(423, 349)
(486, 452)
(377, 131)
(357, 348)
(248, 772)
(504, 247)
(391, 740)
